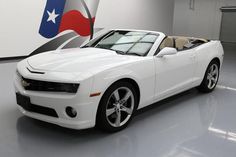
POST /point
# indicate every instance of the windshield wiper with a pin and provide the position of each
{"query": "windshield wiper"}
(86, 46)
(123, 53)
(133, 53)
(119, 52)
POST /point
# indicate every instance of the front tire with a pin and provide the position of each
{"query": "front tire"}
(211, 78)
(117, 107)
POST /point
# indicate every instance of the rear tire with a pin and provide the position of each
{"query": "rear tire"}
(117, 107)
(211, 77)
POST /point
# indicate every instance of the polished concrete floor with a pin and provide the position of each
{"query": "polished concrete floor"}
(187, 125)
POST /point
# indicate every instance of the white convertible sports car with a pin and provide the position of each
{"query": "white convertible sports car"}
(106, 80)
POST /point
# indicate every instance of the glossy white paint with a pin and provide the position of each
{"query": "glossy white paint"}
(174, 72)
(97, 69)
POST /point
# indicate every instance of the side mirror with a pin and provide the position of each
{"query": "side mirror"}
(167, 51)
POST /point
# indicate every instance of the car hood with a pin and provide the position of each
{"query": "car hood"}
(79, 60)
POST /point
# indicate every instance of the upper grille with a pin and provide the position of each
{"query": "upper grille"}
(35, 85)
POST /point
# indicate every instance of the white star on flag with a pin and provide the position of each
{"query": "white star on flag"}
(52, 16)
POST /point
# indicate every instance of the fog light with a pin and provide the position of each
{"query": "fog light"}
(71, 112)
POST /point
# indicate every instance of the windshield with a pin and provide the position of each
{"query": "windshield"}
(126, 42)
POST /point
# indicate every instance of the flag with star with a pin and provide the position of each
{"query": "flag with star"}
(61, 15)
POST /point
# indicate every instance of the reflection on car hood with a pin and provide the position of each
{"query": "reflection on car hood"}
(79, 60)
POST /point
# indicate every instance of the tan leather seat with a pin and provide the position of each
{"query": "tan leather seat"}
(168, 42)
(180, 42)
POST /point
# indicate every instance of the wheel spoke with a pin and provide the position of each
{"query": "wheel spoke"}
(214, 72)
(110, 111)
(212, 69)
(127, 110)
(209, 79)
(208, 76)
(126, 97)
(118, 119)
(213, 79)
(116, 95)
(209, 84)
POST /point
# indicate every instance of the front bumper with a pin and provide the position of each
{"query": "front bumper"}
(85, 106)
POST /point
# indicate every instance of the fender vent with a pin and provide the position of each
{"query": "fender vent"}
(35, 72)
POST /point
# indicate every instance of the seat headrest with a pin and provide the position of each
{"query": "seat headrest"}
(180, 42)
(168, 42)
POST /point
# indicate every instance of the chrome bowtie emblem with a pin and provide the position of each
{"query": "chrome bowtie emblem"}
(24, 83)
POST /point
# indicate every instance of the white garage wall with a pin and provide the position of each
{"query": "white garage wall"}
(154, 15)
(19, 25)
(204, 21)
(20, 21)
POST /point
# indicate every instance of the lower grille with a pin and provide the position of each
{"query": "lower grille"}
(25, 103)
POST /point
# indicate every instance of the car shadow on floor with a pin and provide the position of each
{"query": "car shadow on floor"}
(170, 102)
(29, 126)
(149, 122)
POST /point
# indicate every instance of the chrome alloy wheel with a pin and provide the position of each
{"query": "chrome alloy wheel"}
(212, 76)
(120, 107)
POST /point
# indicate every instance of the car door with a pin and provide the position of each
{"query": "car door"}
(174, 73)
